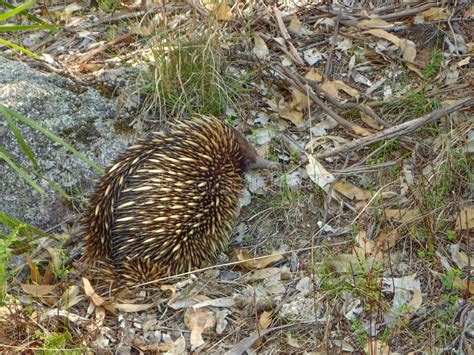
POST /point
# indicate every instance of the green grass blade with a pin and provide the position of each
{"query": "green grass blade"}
(20, 171)
(18, 136)
(21, 49)
(56, 139)
(13, 223)
(16, 10)
(9, 28)
(30, 17)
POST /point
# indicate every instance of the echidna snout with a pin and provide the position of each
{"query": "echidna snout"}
(168, 204)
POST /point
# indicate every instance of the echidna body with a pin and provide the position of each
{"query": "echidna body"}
(168, 204)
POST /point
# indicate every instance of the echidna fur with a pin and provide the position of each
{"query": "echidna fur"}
(168, 204)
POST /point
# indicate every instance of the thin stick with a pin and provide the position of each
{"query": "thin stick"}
(396, 131)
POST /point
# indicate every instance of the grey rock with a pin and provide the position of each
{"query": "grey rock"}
(84, 119)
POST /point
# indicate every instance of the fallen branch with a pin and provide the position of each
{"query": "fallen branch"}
(396, 131)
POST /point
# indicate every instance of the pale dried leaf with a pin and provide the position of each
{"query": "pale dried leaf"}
(96, 299)
(465, 219)
(260, 49)
(294, 116)
(224, 12)
(178, 347)
(197, 321)
(297, 27)
(370, 121)
(250, 263)
(402, 215)
(312, 75)
(385, 35)
(300, 100)
(459, 257)
(318, 173)
(361, 131)
(265, 320)
(350, 191)
(376, 347)
(331, 88)
(436, 13)
(372, 23)
(408, 50)
(131, 307)
(38, 290)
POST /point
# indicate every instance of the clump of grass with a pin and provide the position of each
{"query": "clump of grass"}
(189, 74)
(432, 68)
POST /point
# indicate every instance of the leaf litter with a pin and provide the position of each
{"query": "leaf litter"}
(327, 257)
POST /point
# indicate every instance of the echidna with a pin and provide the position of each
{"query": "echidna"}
(168, 204)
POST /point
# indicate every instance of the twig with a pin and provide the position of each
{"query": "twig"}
(327, 71)
(406, 13)
(246, 343)
(398, 130)
(92, 53)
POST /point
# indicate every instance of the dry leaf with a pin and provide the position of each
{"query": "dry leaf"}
(436, 13)
(34, 272)
(372, 23)
(376, 347)
(370, 121)
(295, 117)
(318, 173)
(403, 215)
(361, 131)
(333, 88)
(178, 347)
(197, 321)
(312, 75)
(265, 320)
(459, 257)
(260, 49)
(385, 35)
(249, 262)
(408, 50)
(300, 100)
(350, 191)
(131, 307)
(297, 27)
(38, 290)
(224, 12)
(96, 299)
(465, 219)
(366, 246)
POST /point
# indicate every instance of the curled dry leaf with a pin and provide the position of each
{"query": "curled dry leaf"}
(96, 299)
(224, 12)
(333, 88)
(318, 173)
(260, 49)
(197, 321)
(38, 290)
(250, 263)
(350, 191)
